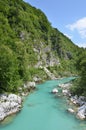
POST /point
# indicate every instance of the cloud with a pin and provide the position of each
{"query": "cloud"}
(82, 45)
(67, 35)
(80, 26)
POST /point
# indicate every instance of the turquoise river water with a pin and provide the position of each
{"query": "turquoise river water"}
(44, 111)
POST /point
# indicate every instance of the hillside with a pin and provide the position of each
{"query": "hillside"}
(28, 43)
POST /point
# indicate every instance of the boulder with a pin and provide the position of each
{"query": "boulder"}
(37, 79)
(55, 90)
(65, 86)
(9, 104)
(14, 98)
(70, 110)
(65, 92)
(82, 112)
(78, 100)
(30, 85)
(3, 97)
(74, 99)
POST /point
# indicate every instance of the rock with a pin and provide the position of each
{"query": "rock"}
(30, 85)
(2, 115)
(82, 112)
(37, 79)
(3, 97)
(78, 100)
(81, 102)
(74, 99)
(51, 75)
(65, 92)
(70, 110)
(20, 90)
(9, 104)
(14, 98)
(65, 86)
(55, 90)
(25, 86)
(61, 85)
(24, 94)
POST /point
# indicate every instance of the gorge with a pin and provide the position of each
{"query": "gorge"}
(31, 50)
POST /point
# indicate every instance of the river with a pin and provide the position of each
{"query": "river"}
(43, 111)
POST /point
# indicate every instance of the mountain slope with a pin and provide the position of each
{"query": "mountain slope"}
(29, 42)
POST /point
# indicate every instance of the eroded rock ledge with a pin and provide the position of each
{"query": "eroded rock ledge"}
(12, 103)
(81, 103)
(9, 104)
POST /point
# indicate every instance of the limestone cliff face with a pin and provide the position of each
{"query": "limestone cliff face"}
(46, 57)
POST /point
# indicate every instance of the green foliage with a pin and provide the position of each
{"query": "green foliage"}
(23, 29)
(9, 76)
(64, 47)
(65, 68)
(80, 87)
(34, 72)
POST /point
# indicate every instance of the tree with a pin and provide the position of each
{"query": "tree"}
(9, 76)
(80, 85)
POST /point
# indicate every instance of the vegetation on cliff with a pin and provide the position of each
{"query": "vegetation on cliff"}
(79, 86)
(28, 42)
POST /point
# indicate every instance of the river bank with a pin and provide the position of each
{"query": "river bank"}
(79, 102)
(9, 104)
(43, 110)
(12, 103)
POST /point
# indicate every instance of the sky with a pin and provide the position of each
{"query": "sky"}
(69, 16)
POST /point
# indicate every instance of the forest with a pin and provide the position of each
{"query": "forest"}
(28, 38)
